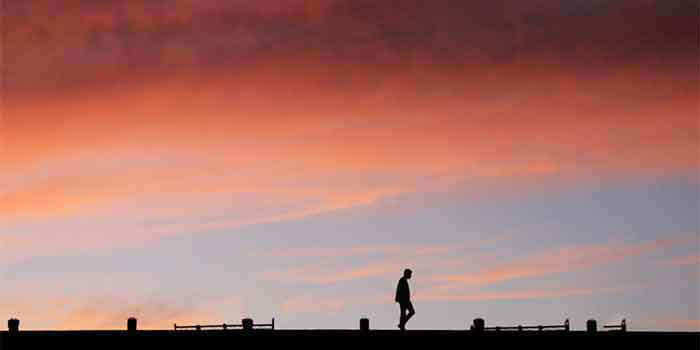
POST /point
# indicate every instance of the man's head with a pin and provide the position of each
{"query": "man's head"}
(407, 273)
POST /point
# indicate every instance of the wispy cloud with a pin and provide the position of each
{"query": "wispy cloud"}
(683, 260)
(558, 260)
(438, 295)
(670, 323)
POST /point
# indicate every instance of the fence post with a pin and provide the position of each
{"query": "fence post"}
(131, 324)
(623, 325)
(364, 325)
(13, 325)
(591, 326)
(566, 325)
(479, 325)
(247, 324)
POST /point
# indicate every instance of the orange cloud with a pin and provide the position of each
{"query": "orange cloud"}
(306, 139)
(109, 312)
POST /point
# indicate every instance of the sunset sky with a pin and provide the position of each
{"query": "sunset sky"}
(201, 161)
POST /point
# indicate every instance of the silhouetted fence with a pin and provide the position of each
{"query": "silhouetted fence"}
(479, 324)
(246, 324)
(622, 327)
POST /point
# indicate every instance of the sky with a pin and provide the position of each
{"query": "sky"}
(190, 162)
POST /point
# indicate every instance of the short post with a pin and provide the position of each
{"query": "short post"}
(13, 325)
(623, 326)
(131, 324)
(479, 325)
(566, 325)
(247, 324)
(591, 326)
(520, 328)
(364, 325)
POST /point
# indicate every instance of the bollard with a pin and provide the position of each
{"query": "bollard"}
(247, 324)
(567, 326)
(623, 326)
(131, 324)
(479, 325)
(591, 326)
(13, 325)
(364, 324)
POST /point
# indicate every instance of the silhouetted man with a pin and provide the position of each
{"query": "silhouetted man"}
(403, 297)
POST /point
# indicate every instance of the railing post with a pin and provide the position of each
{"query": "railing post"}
(13, 325)
(591, 326)
(131, 324)
(478, 325)
(247, 324)
(364, 325)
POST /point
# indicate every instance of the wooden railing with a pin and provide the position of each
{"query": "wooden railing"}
(564, 327)
(246, 324)
(622, 327)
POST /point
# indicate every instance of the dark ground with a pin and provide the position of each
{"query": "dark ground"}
(317, 339)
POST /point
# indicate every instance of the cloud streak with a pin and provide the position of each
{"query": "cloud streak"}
(558, 260)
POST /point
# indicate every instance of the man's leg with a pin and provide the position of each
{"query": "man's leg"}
(411, 312)
(402, 316)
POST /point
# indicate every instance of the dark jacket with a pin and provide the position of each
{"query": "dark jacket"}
(403, 294)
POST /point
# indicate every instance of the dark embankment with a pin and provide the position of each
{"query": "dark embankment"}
(324, 339)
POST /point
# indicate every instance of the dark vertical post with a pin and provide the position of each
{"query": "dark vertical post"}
(520, 328)
(273, 323)
(591, 326)
(364, 324)
(566, 325)
(13, 325)
(479, 325)
(247, 324)
(623, 326)
(131, 324)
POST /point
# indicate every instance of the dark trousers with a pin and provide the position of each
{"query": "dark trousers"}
(403, 318)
